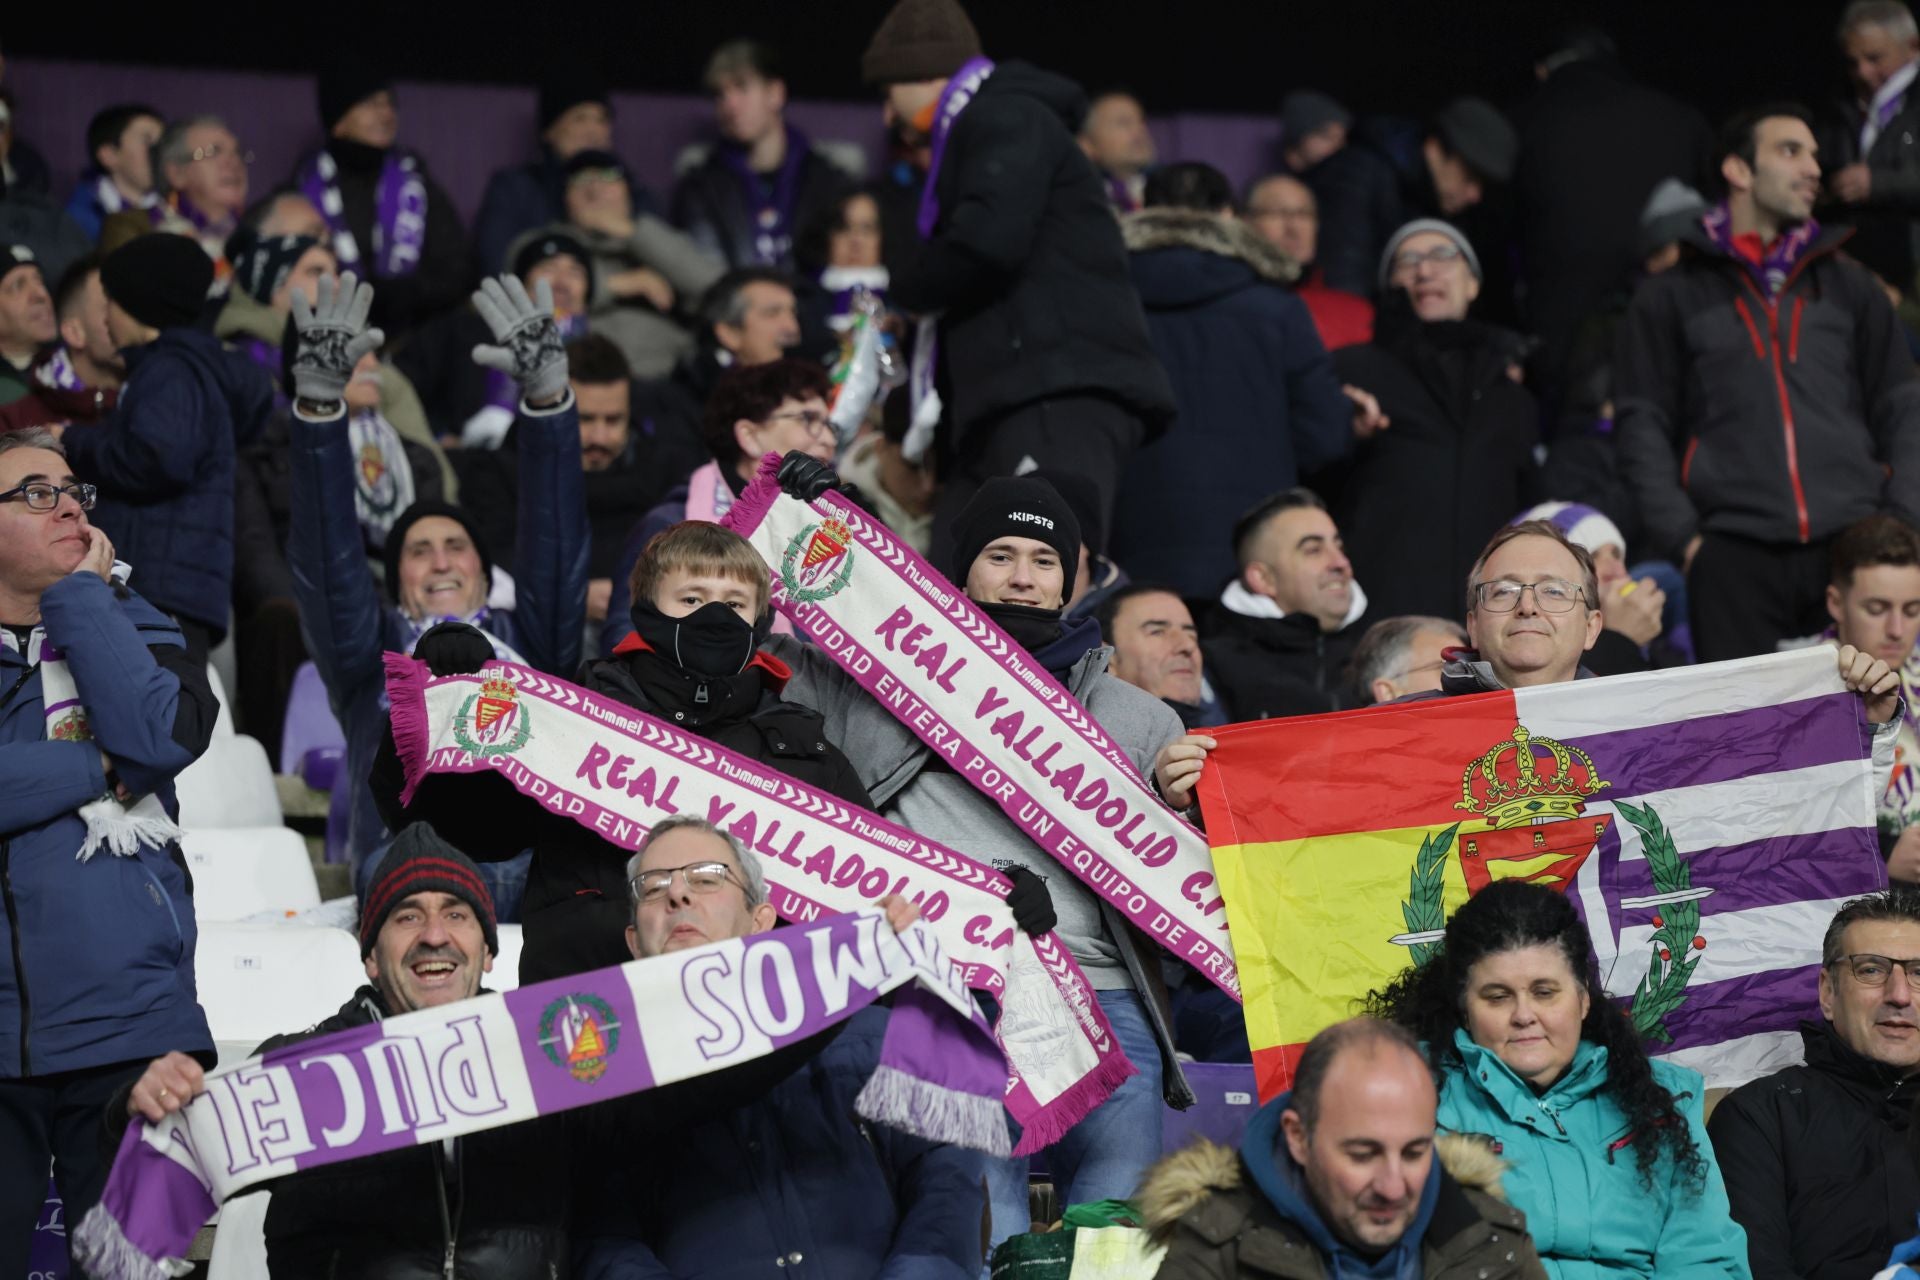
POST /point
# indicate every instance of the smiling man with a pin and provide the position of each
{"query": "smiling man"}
(1816, 1156)
(1156, 647)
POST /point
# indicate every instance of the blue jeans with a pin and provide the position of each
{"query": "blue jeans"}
(1105, 1156)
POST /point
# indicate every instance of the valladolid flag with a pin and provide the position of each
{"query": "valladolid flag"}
(1706, 823)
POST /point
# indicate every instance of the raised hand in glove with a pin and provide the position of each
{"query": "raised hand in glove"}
(454, 649)
(529, 349)
(332, 337)
(1031, 904)
(805, 477)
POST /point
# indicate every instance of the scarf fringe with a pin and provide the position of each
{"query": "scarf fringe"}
(933, 1112)
(1070, 1108)
(123, 831)
(751, 507)
(407, 711)
(104, 1250)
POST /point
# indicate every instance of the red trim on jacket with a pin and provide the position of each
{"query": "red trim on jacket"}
(778, 672)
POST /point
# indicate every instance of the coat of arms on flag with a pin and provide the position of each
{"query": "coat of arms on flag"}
(492, 722)
(1706, 823)
(818, 561)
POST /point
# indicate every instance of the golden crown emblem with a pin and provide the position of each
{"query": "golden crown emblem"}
(835, 530)
(1528, 779)
(496, 685)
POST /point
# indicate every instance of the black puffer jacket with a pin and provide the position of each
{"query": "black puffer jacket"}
(1026, 265)
(1264, 667)
(1816, 1162)
(576, 910)
(1779, 419)
(710, 205)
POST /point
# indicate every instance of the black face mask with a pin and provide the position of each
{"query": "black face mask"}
(713, 640)
(1032, 629)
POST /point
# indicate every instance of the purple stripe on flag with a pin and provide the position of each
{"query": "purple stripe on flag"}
(1741, 744)
(1777, 1000)
(1761, 873)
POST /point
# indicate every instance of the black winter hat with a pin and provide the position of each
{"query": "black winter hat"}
(261, 264)
(920, 40)
(397, 539)
(1304, 110)
(561, 94)
(159, 279)
(1016, 507)
(420, 861)
(530, 251)
(593, 159)
(1474, 130)
(346, 85)
(15, 255)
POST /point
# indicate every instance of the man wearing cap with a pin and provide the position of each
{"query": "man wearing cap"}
(1423, 495)
(1746, 467)
(1042, 355)
(436, 565)
(648, 274)
(102, 708)
(1016, 545)
(763, 181)
(164, 460)
(391, 222)
(27, 324)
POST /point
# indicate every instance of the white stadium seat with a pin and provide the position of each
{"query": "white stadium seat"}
(240, 871)
(230, 786)
(506, 965)
(261, 980)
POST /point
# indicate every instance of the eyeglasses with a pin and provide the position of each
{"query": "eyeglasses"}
(1873, 971)
(41, 496)
(811, 419)
(217, 150)
(1405, 264)
(1414, 671)
(1550, 595)
(701, 877)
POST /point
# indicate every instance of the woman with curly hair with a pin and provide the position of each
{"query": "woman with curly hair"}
(1608, 1156)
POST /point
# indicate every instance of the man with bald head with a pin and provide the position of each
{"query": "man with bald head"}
(1283, 211)
(1345, 1167)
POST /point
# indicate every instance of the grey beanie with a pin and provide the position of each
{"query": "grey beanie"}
(1304, 110)
(1414, 228)
(1670, 210)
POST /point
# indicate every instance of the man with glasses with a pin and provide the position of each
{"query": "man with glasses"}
(1399, 656)
(794, 1178)
(1282, 210)
(100, 707)
(203, 182)
(1816, 1156)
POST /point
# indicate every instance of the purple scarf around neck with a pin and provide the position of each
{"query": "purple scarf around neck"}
(399, 212)
(953, 100)
(770, 208)
(1781, 257)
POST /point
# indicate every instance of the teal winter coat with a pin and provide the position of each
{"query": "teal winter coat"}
(1573, 1174)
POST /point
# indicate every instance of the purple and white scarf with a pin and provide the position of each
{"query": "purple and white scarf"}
(1782, 256)
(108, 196)
(399, 212)
(1888, 101)
(771, 206)
(57, 371)
(500, 1059)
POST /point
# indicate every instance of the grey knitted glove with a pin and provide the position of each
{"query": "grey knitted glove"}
(332, 337)
(529, 349)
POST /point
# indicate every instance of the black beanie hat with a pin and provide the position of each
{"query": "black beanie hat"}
(920, 40)
(530, 251)
(346, 85)
(561, 94)
(159, 279)
(261, 264)
(15, 255)
(397, 539)
(1016, 507)
(419, 861)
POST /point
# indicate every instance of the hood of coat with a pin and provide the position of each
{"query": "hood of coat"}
(1055, 92)
(1215, 236)
(1235, 598)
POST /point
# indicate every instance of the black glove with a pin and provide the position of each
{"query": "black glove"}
(454, 649)
(1031, 904)
(805, 477)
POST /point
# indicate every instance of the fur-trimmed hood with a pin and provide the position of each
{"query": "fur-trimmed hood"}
(1180, 1182)
(1151, 229)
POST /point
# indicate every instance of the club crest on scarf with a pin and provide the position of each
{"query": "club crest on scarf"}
(580, 1033)
(818, 562)
(493, 722)
(71, 726)
(1532, 794)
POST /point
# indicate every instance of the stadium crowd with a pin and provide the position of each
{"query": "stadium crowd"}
(1657, 404)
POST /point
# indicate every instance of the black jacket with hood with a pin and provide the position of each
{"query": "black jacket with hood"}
(1265, 664)
(1026, 266)
(1779, 419)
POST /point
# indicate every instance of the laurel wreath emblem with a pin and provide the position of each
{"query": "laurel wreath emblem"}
(480, 750)
(1676, 941)
(790, 580)
(1424, 910)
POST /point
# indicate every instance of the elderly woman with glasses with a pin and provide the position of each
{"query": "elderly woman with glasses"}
(1604, 1147)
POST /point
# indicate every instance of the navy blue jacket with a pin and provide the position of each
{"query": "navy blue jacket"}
(1258, 401)
(797, 1186)
(522, 197)
(96, 961)
(164, 463)
(348, 624)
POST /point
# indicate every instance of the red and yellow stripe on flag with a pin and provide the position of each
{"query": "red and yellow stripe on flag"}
(1317, 826)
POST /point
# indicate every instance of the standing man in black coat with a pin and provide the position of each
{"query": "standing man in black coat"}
(1816, 1156)
(1593, 146)
(1043, 357)
(1870, 146)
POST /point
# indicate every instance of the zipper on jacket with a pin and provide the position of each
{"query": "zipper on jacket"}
(1553, 1116)
(1805, 523)
(449, 1259)
(13, 933)
(1793, 343)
